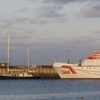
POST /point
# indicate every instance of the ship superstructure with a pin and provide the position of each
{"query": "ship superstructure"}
(93, 60)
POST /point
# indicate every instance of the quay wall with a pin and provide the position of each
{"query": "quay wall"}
(46, 72)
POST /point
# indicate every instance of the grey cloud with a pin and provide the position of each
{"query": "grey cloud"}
(86, 40)
(61, 2)
(7, 23)
(96, 7)
(46, 14)
(58, 1)
(92, 11)
(52, 42)
(26, 34)
(40, 44)
(21, 20)
(20, 37)
(63, 42)
(50, 13)
(20, 41)
(34, 0)
(97, 31)
(38, 20)
(30, 31)
(10, 23)
(25, 9)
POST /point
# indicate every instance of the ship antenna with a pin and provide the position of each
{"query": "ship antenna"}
(55, 59)
(68, 56)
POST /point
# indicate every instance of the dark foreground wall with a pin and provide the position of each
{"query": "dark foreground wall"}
(45, 71)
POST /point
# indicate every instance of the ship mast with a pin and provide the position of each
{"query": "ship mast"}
(8, 59)
(28, 59)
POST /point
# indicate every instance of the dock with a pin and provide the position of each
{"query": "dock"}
(45, 71)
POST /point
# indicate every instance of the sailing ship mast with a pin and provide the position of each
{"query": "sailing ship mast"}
(8, 59)
(28, 59)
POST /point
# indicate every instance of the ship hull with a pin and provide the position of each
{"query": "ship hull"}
(77, 72)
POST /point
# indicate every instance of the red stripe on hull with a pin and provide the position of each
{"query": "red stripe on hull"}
(70, 68)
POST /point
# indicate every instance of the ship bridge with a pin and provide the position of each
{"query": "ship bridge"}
(93, 60)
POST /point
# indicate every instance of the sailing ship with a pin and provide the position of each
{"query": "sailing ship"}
(20, 74)
(88, 69)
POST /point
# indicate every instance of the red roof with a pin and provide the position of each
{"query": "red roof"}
(96, 52)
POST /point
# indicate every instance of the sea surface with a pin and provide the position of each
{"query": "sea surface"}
(56, 89)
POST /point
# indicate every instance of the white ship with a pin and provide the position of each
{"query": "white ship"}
(88, 69)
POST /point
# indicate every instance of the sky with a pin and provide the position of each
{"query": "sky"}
(52, 29)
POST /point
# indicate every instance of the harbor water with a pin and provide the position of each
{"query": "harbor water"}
(53, 89)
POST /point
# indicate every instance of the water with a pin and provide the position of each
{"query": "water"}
(49, 89)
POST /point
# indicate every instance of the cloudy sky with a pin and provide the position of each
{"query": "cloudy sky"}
(50, 28)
